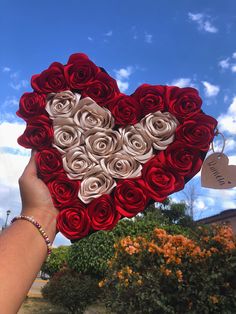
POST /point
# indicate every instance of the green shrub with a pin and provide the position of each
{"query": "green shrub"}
(90, 255)
(57, 260)
(167, 273)
(71, 290)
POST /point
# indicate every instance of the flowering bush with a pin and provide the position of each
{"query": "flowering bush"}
(166, 273)
(90, 255)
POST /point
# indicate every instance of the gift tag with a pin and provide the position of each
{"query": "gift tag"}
(216, 171)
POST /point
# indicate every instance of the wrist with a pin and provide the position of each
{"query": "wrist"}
(45, 217)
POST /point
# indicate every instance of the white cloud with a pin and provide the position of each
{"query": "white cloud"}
(122, 77)
(11, 131)
(124, 73)
(10, 101)
(208, 27)
(233, 68)
(109, 33)
(17, 85)
(230, 144)
(182, 82)
(229, 63)
(60, 240)
(195, 17)
(90, 38)
(224, 64)
(6, 69)
(148, 38)
(210, 89)
(11, 168)
(203, 22)
(123, 86)
(227, 121)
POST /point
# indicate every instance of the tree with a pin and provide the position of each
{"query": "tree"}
(190, 194)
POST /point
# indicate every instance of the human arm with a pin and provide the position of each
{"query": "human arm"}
(22, 247)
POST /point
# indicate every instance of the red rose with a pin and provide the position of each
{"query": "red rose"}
(126, 110)
(73, 222)
(48, 162)
(102, 89)
(197, 131)
(130, 197)
(38, 133)
(77, 57)
(80, 71)
(102, 213)
(160, 180)
(185, 160)
(31, 104)
(150, 97)
(183, 102)
(51, 80)
(63, 190)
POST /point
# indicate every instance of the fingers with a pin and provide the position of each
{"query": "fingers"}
(30, 169)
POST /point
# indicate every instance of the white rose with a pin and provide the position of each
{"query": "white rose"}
(90, 115)
(121, 166)
(136, 143)
(160, 127)
(62, 104)
(102, 143)
(95, 183)
(77, 163)
(66, 134)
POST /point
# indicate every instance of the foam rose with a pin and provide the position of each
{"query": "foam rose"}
(77, 163)
(66, 134)
(160, 128)
(62, 104)
(136, 143)
(102, 143)
(90, 115)
(121, 166)
(95, 184)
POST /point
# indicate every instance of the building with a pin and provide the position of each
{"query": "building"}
(227, 216)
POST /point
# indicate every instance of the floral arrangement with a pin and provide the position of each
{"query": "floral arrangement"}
(105, 155)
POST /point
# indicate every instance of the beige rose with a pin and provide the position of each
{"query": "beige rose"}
(95, 183)
(121, 166)
(62, 104)
(66, 134)
(77, 163)
(90, 115)
(136, 143)
(102, 143)
(160, 128)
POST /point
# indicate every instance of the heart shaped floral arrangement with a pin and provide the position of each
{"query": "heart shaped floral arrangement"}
(105, 155)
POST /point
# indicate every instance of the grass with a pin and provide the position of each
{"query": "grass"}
(41, 306)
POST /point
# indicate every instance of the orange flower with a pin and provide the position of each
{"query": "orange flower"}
(179, 275)
(214, 299)
(165, 271)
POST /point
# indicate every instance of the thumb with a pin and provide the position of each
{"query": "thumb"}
(31, 169)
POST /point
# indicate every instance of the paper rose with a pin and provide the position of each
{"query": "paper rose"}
(105, 155)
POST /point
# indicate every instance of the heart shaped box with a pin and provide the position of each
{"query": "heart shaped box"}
(105, 155)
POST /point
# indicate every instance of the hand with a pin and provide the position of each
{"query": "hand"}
(36, 198)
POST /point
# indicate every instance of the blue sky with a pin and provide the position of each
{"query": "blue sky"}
(184, 43)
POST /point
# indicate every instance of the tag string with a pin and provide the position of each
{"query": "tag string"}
(223, 140)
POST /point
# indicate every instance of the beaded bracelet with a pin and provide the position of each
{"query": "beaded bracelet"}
(40, 229)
